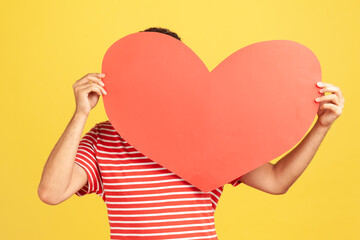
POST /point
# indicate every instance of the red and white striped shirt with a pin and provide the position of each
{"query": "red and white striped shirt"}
(144, 200)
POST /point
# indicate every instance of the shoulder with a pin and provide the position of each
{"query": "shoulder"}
(105, 123)
(105, 127)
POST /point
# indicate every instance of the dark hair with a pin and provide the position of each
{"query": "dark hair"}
(162, 30)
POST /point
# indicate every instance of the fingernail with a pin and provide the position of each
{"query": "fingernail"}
(317, 99)
(320, 84)
(102, 74)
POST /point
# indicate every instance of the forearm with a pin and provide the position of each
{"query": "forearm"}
(288, 169)
(59, 166)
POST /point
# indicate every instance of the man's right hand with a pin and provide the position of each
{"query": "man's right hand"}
(87, 91)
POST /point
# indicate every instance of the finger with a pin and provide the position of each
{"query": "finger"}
(92, 88)
(99, 75)
(88, 77)
(332, 107)
(324, 84)
(101, 88)
(86, 85)
(332, 89)
(95, 79)
(331, 97)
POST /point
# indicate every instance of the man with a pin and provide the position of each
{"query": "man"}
(145, 200)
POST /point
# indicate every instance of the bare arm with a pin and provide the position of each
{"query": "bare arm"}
(58, 170)
(289, 168)
(278, 178)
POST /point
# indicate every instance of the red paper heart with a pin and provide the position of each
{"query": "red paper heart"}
(210, 127)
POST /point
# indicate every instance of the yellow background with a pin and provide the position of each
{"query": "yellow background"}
(47, 45)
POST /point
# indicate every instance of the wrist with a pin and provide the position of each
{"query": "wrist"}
(321, 127)
(81, 115)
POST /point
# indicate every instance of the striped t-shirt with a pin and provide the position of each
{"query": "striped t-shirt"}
(144, 200)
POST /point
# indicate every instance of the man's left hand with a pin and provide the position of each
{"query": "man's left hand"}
(331, 105)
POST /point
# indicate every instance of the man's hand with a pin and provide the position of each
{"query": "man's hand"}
(331, 105)
(87, 91)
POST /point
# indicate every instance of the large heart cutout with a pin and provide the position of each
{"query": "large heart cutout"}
(209, 128)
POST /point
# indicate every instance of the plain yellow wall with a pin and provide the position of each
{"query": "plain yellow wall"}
(47, 45)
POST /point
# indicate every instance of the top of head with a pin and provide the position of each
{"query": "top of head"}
(162, 30)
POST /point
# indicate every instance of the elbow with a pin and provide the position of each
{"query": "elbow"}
(280, 191)
(46, 198)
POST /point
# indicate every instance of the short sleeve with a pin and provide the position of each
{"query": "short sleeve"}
(86, 158)
(236, 181)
